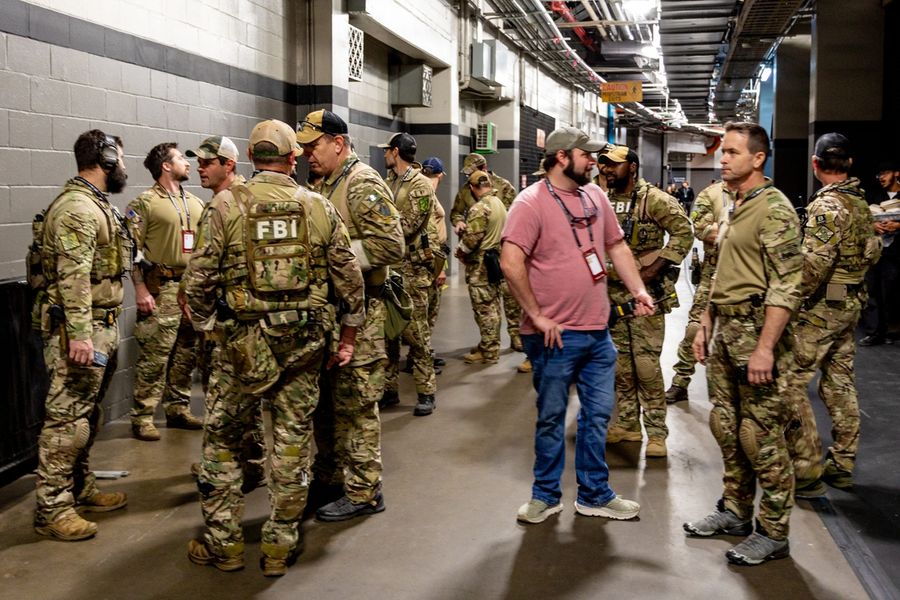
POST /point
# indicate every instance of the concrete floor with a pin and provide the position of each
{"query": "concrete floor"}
(453, 482)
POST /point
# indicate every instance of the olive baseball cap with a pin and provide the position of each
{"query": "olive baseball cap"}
(211, 147)
(472, 162)
(569, 138)
(318, 123)
(479, 178)
(277, 133)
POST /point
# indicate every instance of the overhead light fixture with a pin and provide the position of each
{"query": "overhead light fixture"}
(638, 9)
(766, 73)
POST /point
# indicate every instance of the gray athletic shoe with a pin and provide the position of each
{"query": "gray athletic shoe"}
(757, 549)
(720, 522)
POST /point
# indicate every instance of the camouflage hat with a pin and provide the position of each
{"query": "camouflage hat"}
(472, 162)
(479, 178)
(618, 154)
(569, 138)
(211, 147)
(318, 123)
(277, 133)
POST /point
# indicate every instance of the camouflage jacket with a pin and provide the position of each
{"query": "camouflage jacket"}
(464, 200)
(415, 200)
(484, 225)
(839, 241)
(86, 250)
(760, 252)
(221, 249)
(706, 214)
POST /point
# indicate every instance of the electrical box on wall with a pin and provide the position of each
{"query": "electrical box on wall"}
(486, 138)
(411, 85)
(491, 63)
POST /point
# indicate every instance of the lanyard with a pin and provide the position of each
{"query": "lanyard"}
(586, 219)
(187, 209)
(343, 174)
(401, 180)
(100, 195)
(747, 199)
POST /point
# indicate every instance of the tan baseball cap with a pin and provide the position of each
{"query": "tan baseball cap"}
(211, 147)
(277, 133)
(618, 154)
(318, 123)
(479, 178)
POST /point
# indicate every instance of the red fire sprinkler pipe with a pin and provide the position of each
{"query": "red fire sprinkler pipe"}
(562, 9)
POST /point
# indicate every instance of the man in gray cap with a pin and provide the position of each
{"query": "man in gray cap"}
(556, 234)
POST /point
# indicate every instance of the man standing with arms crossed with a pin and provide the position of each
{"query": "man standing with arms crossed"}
(347, 469)
(415, 200)
(85, 251)
(556, 240)
(839, 246)
(163, 221)
(754, 292)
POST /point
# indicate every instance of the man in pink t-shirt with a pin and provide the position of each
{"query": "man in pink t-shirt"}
(557, 237)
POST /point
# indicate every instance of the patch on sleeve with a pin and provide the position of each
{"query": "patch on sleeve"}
(823, 234)
(69, 241)
(130, 214)
(424, 203)
(379, 204)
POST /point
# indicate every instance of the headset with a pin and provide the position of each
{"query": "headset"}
(108, 153)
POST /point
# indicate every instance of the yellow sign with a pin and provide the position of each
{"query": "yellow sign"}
(622, 91)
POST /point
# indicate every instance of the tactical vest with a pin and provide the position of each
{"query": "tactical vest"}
(374, 277)
(272, 266)
(646, 235)
(400, 188)
(852, 262)
(112, 252)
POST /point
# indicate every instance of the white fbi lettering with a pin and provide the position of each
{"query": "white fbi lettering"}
(276, 229)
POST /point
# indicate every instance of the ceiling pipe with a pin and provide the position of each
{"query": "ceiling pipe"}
(562, 10)
(592, 14)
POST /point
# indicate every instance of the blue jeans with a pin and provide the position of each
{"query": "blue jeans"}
(587, 359)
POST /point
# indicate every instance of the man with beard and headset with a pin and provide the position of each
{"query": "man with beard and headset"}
(162, 221)
(85, 251)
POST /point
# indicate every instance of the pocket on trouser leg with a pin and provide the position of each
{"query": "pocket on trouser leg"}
(253, 361)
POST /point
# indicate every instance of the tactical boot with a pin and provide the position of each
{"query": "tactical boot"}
(437, 361)
(183, 420)
(656, 448)
(617, 434)
(69, 527)
(200, 554)
(757, 549)
(515, 342)
(525, 367)
(809, 490)
(837, 477)
(146, 432)
(276, 560)
(424, 406)
(477, 356)
(344, 509)
(720, 522)
(676, 393)
(102, 502)
(388, 399)
(321, 494)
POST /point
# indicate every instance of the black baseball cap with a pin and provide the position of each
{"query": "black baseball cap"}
(832, 145)
(403, 142)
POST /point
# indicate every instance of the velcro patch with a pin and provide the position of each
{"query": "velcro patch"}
(274, 229)
(823, 234)
(69, 241)
(424, 203)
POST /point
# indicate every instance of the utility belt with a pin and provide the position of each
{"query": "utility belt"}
(156, 274)
(420, 256)
(282, 317)
(835, 292)
(107, 315)
(169, 273)
(740, 309)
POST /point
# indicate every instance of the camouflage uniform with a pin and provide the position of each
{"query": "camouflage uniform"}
(439, 227)
(346, 422)
(167, 344)
(639, 379)
(484, 224)
(759, 258)
(839, 245)
(272, 354)
(706, 211)
(464, 200)
(414, 198)
(86, 250)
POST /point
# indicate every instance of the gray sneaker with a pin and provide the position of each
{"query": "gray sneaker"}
(757, 549)
(537, 511)
(617, 508)
(720, 522)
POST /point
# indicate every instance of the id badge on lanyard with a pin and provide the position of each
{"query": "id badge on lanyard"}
(187, 241)
(598, 271)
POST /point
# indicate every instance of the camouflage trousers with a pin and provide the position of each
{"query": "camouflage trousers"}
(346, 422)
(252, 455)
(417, 280)
(71, 421)
(639, 380)
(511, 309)
(748, 422)
(434, 305)
(824, 340)
(292, 399)
(684, 368)
(485, 299)
(167, 354)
